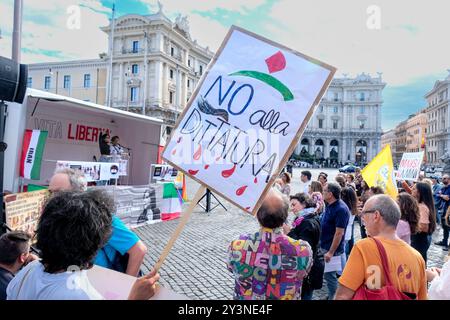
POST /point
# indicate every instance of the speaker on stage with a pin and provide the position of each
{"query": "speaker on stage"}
(13, 80)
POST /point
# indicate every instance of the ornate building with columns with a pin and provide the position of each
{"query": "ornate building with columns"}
(346, 126)
(156, 66)
(438, 116)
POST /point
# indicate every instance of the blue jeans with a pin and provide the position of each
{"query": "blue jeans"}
(307, 294)
(332, 283)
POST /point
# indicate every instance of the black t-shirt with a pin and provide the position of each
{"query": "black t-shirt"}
(5, 279)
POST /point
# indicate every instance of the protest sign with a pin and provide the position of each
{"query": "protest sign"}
(24, 209)
(137, 205)
(113, 285)
(162, 172)
(244, 120)
(246, 117)
(140, 205)
(93, 171)
(409, 168)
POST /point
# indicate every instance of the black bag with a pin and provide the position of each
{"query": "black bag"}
(316, 274)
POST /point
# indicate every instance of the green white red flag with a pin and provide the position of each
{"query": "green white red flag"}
(32, 151)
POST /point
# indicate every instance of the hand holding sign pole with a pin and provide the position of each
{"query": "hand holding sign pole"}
(244, 119)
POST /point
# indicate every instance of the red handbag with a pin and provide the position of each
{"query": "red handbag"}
(388, 292)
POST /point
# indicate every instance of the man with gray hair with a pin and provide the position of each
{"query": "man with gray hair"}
(380, 215)
(269, 264)
(67, 179)
(124, 252)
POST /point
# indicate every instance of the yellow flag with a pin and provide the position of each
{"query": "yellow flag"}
(380, 172)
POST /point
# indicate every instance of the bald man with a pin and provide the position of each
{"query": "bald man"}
(269, 264)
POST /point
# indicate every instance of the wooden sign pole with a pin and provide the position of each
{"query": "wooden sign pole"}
(184, 219)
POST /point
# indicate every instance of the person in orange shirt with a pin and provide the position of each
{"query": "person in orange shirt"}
(406, 265)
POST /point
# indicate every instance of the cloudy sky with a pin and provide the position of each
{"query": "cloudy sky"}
(408, 43)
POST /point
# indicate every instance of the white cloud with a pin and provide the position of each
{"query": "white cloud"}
(203, 5)
(410, 44)
(206, 31)
(84, 43)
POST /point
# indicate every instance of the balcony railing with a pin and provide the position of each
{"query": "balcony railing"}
(167, 113)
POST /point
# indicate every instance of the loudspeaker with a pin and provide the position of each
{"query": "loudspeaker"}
(13, 80)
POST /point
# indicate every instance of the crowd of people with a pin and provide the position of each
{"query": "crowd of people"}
(288, 258)
(77, 229)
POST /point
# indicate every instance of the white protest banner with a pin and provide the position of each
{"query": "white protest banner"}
(113, 285)
(162, 172)
(409, 168)
(93, 171)
(246, 117)
(137, 205)
(23, 210)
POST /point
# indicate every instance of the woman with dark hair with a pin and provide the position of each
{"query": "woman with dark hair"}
(104, 146)
(409, 220)
(315, 186)
(283, 183)
(427, 222)
(306, 226)
(348, 195)
(351, 181)
(322, 178)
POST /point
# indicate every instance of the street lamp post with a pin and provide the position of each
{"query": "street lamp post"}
(17, 30)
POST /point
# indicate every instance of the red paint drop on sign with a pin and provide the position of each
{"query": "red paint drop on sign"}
(228, 173)
(198, 153)
(174, 152)
(241, 190)
(206, 167)
(193, 172)
(256, 180)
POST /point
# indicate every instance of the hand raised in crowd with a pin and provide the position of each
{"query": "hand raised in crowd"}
(144, 287)
(432, 273)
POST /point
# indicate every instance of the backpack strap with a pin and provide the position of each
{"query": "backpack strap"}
(384, 261)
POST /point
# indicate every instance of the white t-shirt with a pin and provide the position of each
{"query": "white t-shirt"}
(33, 283)
(306, 187)
(440, 286)
(348, 230)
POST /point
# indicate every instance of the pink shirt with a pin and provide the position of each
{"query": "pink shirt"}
(404, 231)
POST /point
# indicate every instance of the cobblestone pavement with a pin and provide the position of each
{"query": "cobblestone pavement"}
(196, 265)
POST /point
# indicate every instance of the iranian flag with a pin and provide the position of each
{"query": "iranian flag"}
(32, 150)
(171, 203)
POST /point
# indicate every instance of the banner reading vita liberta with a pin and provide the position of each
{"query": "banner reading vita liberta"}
(246, 116)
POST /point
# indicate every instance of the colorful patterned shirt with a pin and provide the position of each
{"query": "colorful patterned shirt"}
(269, 265)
